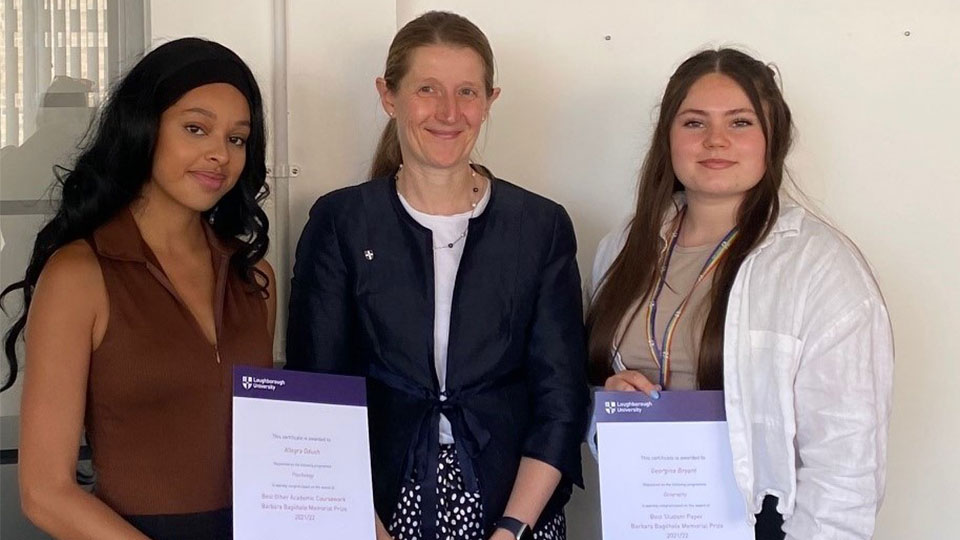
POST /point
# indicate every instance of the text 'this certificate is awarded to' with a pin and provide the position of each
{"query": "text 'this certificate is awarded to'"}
(666, 472)
(301, 456)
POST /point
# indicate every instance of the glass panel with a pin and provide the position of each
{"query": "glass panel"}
(57, 60)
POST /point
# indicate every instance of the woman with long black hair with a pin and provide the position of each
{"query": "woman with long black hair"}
(720, 281)
(142, 292)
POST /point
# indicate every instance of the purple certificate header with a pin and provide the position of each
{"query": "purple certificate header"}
(282, 385)
(687, 406)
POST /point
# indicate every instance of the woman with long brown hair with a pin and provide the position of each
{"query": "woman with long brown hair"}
(719, 281)
(457, 295)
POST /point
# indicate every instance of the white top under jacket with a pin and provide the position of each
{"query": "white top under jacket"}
(446, 260)
(808, 376)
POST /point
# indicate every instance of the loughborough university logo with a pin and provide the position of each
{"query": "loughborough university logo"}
(629, 407)
(252, 382)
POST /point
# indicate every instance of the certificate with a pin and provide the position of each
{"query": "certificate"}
(665, 468)
(301, 456)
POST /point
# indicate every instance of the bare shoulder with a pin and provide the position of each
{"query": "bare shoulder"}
(74, 265)
(72, 283)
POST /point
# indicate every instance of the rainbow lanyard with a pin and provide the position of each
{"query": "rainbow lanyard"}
(662, 355)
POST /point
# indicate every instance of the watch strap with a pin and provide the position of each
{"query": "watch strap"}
(519, 529)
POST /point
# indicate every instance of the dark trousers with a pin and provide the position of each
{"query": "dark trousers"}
(215, 525)
(769, 521)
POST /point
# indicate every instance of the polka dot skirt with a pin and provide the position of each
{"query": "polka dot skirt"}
(460, 514)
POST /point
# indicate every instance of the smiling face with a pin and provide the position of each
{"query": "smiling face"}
(717, 146)
(439, 105)
(201, 147)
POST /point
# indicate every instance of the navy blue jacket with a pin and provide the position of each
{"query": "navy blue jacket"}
(362, 303)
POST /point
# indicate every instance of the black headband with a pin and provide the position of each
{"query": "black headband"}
(198, 73)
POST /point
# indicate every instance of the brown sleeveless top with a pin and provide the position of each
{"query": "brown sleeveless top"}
(159, 394)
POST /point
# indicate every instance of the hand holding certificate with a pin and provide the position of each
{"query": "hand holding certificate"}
(665, 468)
(301, 456)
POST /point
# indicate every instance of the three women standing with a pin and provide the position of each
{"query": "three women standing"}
(455, 293)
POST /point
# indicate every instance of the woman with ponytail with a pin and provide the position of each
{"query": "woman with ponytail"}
(457, 295)
(142, 292)
(720, 281)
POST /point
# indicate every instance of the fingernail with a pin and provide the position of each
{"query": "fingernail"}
(655, 394)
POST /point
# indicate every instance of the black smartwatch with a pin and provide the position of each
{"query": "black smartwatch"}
(519, 529)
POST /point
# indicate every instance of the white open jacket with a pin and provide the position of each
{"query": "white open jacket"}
(808, 374)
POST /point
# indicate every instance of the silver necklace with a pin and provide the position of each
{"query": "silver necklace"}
(473, 209)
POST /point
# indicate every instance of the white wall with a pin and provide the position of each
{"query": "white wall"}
(876, 112)
(336, 51)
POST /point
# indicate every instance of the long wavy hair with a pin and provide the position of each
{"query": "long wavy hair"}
(116, 162)
(431, 28)
(634, 271)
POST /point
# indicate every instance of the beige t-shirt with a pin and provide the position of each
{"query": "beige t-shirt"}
(685, 266)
